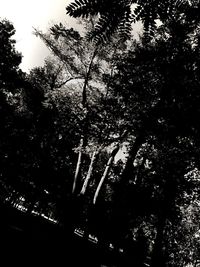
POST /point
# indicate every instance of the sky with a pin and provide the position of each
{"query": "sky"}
(26, 14)
(40, 14)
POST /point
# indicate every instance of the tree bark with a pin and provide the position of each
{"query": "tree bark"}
(89, 174)
(78, 166)
(85, 121)
(87, 77)
(105, 174)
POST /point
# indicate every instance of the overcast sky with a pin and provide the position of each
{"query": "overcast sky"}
(26, 14)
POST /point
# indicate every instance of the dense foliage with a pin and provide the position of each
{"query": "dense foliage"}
(118, 15)
(66, 125)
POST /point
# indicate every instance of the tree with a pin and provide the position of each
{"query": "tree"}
(29, 140)
(10, 75)
(79, 63)
(87, 65)
(10, 58)
(12, 81)
(162, 99)
(119, 15)
(106, 171)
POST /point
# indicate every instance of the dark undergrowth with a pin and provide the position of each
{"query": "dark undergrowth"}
(32, 240)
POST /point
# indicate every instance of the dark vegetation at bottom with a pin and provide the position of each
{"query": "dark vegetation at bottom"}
(27, 239)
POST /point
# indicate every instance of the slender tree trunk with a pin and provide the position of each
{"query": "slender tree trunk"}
(105, 174)
(85, 123)
(78, 166)
(89, 174)
(119, 209)
(84, 95)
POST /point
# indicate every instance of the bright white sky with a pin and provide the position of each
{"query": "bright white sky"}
(26, 14)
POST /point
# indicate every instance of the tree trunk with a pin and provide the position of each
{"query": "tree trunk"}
(78, 166)
(87, 77)
(89, 174)
(106, 173)
(85, 120)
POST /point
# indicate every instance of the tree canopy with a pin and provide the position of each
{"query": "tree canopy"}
(65, 125)
(118, 15)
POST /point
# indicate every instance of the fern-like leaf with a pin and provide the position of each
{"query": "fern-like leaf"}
(115, 15)
(84, 8)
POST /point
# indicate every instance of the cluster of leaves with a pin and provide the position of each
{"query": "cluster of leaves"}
(119, 14)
